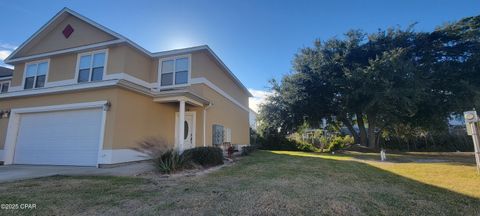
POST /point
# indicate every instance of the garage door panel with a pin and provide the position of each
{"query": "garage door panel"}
(59, 138)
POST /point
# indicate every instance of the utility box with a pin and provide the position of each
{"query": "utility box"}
(217, 135)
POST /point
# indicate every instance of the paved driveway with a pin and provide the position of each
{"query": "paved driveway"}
(22, 172)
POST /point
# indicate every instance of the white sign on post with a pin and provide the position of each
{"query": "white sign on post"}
(472, 121)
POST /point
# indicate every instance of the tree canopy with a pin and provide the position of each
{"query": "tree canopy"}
(369, 83)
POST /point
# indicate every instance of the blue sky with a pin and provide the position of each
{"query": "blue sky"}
(256, 39)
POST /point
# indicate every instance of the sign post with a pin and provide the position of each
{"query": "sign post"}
(472, 121)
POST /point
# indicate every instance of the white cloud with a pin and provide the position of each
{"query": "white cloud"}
(8, 46)
(5, 50)
(4, 54)
(258, 98)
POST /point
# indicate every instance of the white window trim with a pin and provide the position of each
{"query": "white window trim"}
(35, 80)
(2, 82)
(77, 67)
(174, 58)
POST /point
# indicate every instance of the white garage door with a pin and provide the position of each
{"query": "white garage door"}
(59, 138)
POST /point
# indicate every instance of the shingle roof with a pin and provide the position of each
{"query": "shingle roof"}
(5, 72)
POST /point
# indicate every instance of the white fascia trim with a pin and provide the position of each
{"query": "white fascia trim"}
(198, 48)
(14, 123)
(60, 83)
(130, 78)
(62, 107)
(230, 72)
(109, 31)
(111, 80)
(7, 60)
(179, 51)
(83, 18)
(45, 90)
(76, 49)
(6, 78)
(207, 82)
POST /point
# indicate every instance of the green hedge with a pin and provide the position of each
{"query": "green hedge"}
(205, 156)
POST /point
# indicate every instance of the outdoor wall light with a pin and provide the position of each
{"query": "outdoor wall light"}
(106, 106)
(4, 113)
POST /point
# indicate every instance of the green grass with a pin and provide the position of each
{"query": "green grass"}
(269, 183)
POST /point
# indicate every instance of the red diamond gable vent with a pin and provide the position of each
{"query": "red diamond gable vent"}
(67, 31)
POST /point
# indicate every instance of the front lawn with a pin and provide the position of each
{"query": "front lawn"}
(270, 183)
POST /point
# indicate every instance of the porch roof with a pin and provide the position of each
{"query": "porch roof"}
(179, 95)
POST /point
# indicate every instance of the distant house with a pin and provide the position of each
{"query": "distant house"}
(5, 79)
(82, 94)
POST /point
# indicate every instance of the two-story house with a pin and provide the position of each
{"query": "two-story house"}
(82, 94)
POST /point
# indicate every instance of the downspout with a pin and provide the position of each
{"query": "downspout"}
(205, 124)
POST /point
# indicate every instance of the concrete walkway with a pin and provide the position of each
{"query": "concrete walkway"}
(10, 173)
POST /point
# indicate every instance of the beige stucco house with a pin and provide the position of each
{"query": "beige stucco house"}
(82, 94)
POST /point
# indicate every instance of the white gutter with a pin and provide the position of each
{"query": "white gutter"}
(205, 124)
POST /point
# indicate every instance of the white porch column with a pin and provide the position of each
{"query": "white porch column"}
(181, 126)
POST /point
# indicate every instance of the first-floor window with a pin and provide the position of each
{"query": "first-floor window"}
(4, 86)
(91, 67)
(35, 75)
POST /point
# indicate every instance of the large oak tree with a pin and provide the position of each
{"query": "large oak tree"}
(370, 83)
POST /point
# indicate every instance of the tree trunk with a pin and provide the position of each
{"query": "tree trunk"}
(361, 127)
(371, 118)
(350, 128)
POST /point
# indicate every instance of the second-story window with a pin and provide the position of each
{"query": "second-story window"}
(91, 67)
(174, 71)
(35, 75)
(4, 86)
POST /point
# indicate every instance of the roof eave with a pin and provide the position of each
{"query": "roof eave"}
(206, 48)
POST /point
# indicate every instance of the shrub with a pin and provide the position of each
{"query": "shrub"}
(277, 142)
(172, 161)
(246, 150)
(205, 156)
(305, 146)
(339, 142)
(164, 158)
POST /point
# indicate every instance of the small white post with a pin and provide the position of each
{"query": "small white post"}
(383, 156)
(471, 119)
(476, 142)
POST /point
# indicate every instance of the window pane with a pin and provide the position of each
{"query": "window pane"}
(181, 64)
(40, 81)
(181, 77)
(5, 87)
(167, 66)
(84, 75)
(185, 126)
(42, 68)
(167, 79)
(97, 74)
(29, 82)
(85, 62)
(31, 70)
(99, 60)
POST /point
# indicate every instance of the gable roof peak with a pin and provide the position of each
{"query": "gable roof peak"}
(67, 10)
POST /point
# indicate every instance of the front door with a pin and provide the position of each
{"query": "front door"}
(189, 130)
